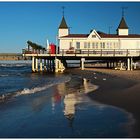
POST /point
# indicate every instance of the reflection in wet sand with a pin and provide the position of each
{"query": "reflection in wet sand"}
(69, 107)
(74, 96)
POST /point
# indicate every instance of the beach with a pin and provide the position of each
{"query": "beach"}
(117, 88)
(61, 105)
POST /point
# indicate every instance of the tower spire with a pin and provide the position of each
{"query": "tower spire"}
(63, 10)
(123, 28)
(63, 29)
(123, 10)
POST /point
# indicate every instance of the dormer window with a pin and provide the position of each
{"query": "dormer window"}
(93, 36)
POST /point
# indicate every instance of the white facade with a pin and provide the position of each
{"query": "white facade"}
(63, 32)
(99, 40)
(122, 31)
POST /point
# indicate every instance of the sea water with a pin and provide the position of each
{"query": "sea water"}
(34, 105)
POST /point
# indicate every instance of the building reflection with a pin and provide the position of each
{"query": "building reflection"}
(70, 97)
(69, 100)
(85, 85)
(69, 107)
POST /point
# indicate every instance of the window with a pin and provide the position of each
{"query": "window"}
(70, 44)
(117, 45)
(88, 44)
(110, 45)
(101, 45)
(77, 45)
(104, 45)
(114, 45)
(107, 45)
(85, 45)
(93, 36)
(93, 45)
(96, 45)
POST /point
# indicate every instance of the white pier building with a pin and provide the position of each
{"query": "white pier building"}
(121, 49)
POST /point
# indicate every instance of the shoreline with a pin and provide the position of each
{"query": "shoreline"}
(117, 88)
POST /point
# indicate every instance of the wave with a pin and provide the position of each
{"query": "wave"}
(4, 75)
(27, 91)
(14, 65)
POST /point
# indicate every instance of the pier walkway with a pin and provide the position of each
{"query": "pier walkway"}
(124, 58)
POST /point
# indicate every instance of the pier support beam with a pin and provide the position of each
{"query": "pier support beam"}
(107, 64)
(45, 68)
(121, 66)
(41, 64)
(131, 63)
(135, 65)
(128, 63)
(82, 63)
(48, 65)
(36, 64)
(59, 67)
(33, 64)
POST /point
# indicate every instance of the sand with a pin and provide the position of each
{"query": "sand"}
(117, 88)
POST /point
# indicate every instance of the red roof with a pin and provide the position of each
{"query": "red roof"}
(119, 36)
(77, 35)
(103, 35)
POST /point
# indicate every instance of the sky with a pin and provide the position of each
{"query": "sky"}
(39, 21)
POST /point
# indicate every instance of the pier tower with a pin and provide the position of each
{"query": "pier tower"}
(63, 28)
(122, 28)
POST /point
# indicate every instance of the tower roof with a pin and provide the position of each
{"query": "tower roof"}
(122, 24)
(63, 24)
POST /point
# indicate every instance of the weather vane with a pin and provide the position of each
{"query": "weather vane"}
(63, 8)
(123, 10)
(110, 29)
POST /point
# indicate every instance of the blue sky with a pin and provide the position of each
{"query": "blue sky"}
(38, 21)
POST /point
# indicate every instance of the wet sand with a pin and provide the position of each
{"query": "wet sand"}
(118, 88)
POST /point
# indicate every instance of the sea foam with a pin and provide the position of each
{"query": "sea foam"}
(27, 91)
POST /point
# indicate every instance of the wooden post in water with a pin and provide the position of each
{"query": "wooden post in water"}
(131, 63)
(33, 64)
(48, 65)
(36, 67)
(45, 68)
(121, 67)
(107, 64)
(56, 65)
(82, 63)
(128, 63)
(41, 64)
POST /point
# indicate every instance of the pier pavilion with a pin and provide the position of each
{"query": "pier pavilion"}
(121, 49)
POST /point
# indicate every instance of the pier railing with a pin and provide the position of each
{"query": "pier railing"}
(86, 52)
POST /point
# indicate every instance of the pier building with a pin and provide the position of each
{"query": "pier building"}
(119, 51)
(97, 39)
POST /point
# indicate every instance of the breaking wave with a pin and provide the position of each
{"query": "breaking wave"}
(27, 91)
(14, 63)
(4, 75)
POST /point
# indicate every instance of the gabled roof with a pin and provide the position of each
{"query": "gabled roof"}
(122, 24)
(63, 24)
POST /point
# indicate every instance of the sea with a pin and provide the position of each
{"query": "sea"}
(49, 105)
